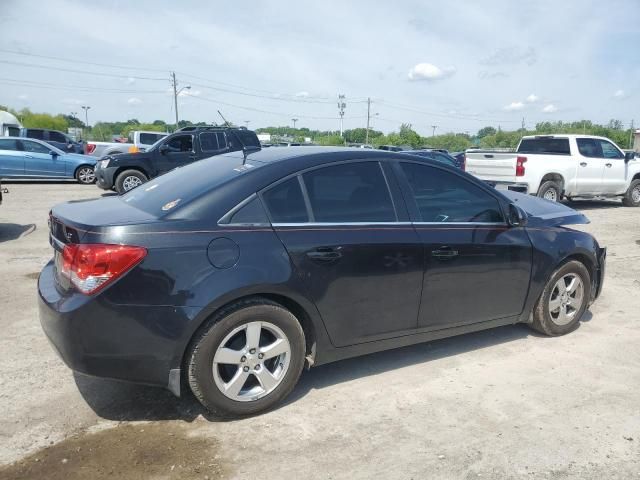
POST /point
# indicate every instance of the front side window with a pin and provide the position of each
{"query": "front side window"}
(608, 150)
(34, 147)
(181, 143)
(286, 203)
(350, 192)
(57, 137)
(8, 144)
(444, 197)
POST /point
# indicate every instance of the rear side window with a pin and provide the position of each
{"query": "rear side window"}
(209, 141)
(351, 192)
(251, 213)
(286, 203)
(38, 134)
(444, 197)
(550, 145)
(8, 144)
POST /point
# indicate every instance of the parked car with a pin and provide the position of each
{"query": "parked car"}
(390, 148)
(124, 172)
(58, 139)
(137, 141)
(1, 191)
(9, 125)
(438, 156)
(28, 158)
(460, 157)
(557, 166)
(231, 273)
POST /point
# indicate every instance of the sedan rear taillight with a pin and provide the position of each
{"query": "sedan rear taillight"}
(520, 161)
(90, 148)
(91, 267)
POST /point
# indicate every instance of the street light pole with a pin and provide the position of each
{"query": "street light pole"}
(366, 140)
(177, 92)
(86, 114)
(294, 120)
(433, 133)
(341, 106)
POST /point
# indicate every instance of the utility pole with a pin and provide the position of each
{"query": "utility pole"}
(523, 123)
(366, 141)
(176, 92)
(341, 106)
(631, 136)
(433, 132)
(246, 123)
(86, 114)
(294, 120)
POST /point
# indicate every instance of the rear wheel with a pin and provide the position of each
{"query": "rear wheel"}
(550, 191)
(129, 179)
(247, 358)
(564, 300)
(85, 175)
(632, 197)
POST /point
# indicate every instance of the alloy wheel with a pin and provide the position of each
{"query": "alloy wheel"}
(635, 194)
(566, 299)
(131, 182)
(550, 194)
(251, 361)
(86, 175)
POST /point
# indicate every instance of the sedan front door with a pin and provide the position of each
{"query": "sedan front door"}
(361, 267)
(42, 160)
(477, 268)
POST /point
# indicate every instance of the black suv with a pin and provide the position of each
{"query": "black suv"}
(128, 170)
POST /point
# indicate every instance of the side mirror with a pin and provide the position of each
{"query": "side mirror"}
(53, 153)
(164, 148)
(517, 216)
(628, 156)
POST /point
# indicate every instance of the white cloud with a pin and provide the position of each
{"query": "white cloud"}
(131, 81)
(72, 101)
(133, 101)
(514, 106)
(188, 93)
(428, 71)
(620, 94)
(550, 108)
(302, 94)
(533, 98)
(511, 56)
(23, 96)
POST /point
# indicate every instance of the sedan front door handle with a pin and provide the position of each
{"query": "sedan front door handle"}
(583, 164)
(325, 254)
(444, 253)
(608, 165)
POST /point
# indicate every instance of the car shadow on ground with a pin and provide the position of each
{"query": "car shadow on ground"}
(13, 231)
(121, 401)
(593, 204)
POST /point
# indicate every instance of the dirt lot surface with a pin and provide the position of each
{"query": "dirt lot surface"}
(504, 403)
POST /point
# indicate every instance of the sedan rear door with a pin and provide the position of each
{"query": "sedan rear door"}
(477, 268)
(360, 265)
(11, 158)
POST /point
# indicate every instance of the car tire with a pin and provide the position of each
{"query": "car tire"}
(85, 175)
(550, 190)
(129, 179)
(251, 381)
(558, 312)
(632, 196)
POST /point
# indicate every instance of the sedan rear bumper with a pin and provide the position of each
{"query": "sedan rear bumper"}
(134, 343)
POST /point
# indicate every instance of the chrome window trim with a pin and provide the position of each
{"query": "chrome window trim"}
(332, 224)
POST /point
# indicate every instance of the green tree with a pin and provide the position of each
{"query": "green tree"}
(330, 140)
(486, 131)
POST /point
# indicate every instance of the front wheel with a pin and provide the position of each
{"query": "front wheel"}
(632, 197)
(85, 175)
(129, 179)
(564, 300)
(247, 358)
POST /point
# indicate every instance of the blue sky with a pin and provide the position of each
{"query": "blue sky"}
(458, 65)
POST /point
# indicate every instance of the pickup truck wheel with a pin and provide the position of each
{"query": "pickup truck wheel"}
(246, 359)
(563, 301)
(632, 197)
(129, 179)
(85, 175)
(550, 191)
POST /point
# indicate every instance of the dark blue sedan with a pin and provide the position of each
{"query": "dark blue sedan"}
(230, 274)
(34, 159)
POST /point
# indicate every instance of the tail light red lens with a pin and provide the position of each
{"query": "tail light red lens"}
(520, 161)
(91, 267)
(90, 148)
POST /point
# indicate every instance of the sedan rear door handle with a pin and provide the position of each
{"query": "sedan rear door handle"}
(444, 252)
(325, 254)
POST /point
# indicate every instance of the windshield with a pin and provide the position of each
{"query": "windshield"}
(155, 145)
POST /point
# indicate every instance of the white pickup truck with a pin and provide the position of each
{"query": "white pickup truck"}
(138, 141)
(557, 166)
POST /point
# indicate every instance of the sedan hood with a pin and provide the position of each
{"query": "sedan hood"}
(546, 213)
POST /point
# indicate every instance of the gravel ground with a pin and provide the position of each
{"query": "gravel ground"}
(504, 403)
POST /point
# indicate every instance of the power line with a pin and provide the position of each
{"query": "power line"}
(83, 72)
(29, 83)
